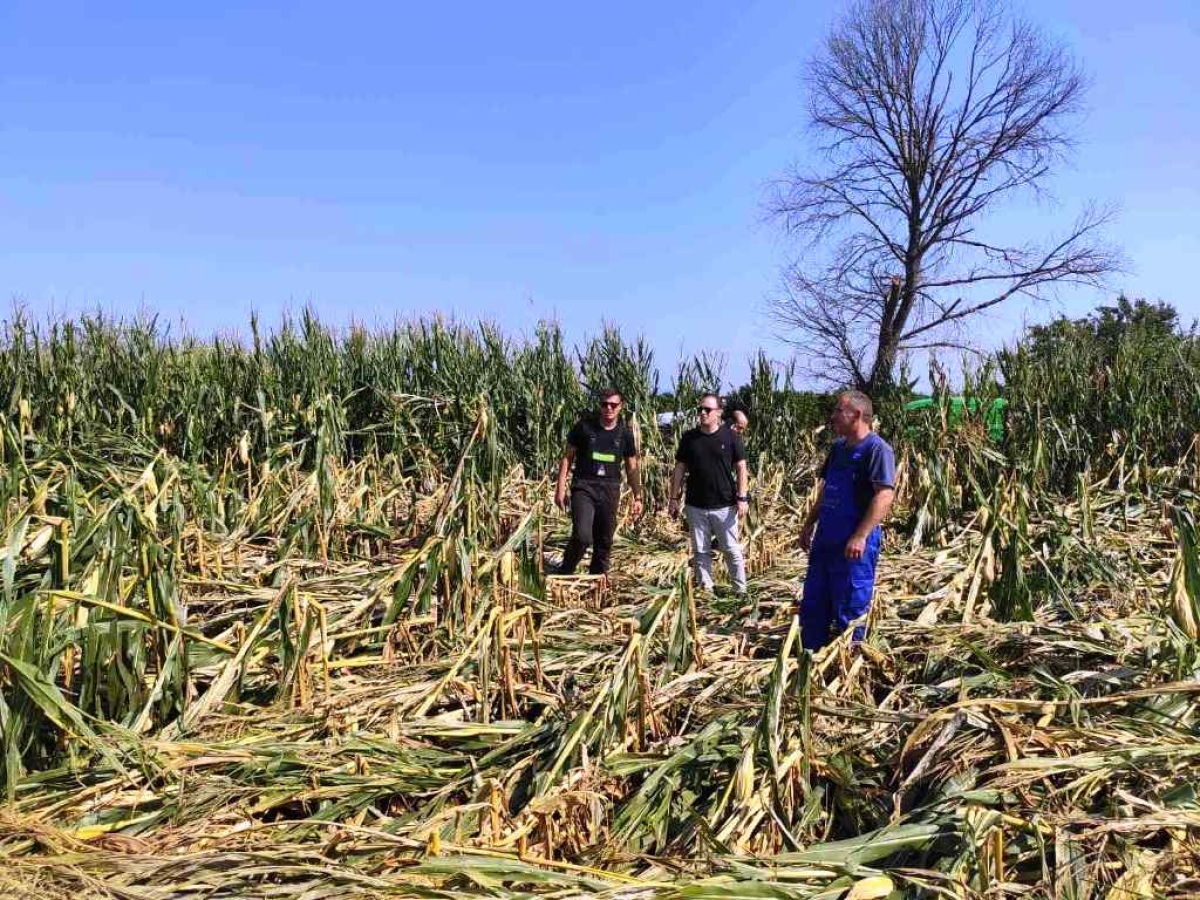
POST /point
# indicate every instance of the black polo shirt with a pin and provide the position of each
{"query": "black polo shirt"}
(710, 461)
(599, 451)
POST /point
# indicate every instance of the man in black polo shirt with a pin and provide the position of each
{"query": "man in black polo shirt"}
(708, 457)
(598, 446)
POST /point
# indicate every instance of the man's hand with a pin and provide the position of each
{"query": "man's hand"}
(806, 536)
(856, 547)
(743, 507)
(560, 498)
(638, 507)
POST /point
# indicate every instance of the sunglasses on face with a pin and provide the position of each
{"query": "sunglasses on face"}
(608, 404)
(706, 409)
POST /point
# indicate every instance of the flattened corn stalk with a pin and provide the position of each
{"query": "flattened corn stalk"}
(302, 671)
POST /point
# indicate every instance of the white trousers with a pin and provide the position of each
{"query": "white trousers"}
(723, 522)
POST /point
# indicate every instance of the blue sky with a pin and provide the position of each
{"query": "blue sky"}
(513, 161)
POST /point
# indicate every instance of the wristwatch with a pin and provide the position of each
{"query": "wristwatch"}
(743, 498)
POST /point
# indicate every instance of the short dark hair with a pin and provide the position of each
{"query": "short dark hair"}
(605, 393)
(716, 397)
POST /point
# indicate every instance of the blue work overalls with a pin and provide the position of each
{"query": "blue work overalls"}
(838, 590)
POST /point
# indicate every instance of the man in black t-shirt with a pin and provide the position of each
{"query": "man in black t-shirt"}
(598, 446)
(708, 457)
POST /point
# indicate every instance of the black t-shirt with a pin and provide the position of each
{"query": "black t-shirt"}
(710, 459)
(599, 452)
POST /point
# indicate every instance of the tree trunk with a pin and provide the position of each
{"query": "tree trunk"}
(887, 350)
(885, 364)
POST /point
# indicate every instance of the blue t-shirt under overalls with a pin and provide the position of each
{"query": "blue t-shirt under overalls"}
(838, 590)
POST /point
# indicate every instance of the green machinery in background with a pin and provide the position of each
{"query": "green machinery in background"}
(993, 416)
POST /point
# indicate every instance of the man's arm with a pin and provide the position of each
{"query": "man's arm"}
(677, 476)
(633, 472)
(878, 509)
(881, 464)
(814, 511)
(743, 487)
(564, 468)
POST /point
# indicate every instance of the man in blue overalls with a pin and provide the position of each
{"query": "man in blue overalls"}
(859, 478)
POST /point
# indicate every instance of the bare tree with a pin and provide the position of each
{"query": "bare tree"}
(928, 114)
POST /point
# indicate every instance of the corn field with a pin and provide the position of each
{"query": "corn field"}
(275, 623)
